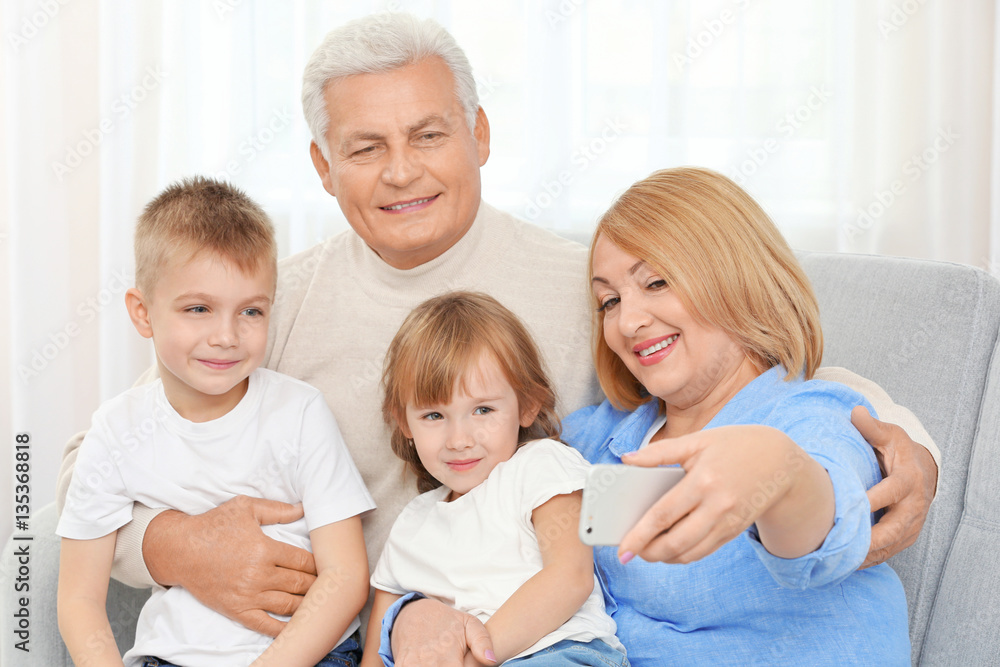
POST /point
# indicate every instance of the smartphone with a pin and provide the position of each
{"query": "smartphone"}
(616, 496)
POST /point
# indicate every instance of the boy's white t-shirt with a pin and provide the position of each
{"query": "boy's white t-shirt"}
(473, 553)
(280, 442)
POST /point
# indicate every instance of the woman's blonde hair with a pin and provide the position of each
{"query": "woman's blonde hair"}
(439, 344)
(725, 259)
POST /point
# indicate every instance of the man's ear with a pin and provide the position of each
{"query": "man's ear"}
(322, 167)
(138, 312)
(482, 135)
(528, 414)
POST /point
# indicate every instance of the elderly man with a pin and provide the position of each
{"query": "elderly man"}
(399, 138)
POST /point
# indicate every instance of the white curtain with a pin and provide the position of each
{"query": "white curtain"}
(861, 126)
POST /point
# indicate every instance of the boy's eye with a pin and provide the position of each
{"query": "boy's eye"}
(608, 303)
(482, 410)
(197, 309)
(253, 312)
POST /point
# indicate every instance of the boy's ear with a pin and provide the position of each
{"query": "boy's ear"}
(138, 313)
(529, 413)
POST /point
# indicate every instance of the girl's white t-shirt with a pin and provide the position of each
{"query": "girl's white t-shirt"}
(473, 553)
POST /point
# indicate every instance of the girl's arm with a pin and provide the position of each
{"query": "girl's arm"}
(336, 597)
(551, 597)
(84, 573)
(383, 600)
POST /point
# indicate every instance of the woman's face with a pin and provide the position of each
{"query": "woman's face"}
(675, 356)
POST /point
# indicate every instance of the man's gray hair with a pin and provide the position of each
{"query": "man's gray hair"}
(379, 43)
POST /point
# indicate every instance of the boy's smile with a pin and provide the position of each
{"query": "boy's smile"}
(208, 321)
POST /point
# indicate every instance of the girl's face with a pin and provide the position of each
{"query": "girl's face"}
(460, 442)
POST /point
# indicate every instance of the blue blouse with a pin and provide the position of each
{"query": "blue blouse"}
(741, 605)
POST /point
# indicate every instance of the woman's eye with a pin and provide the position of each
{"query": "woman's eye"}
(658, 283)
(608, 303)
(482, 410)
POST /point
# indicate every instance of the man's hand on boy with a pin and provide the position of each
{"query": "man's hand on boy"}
(907, 490)
(224, 559)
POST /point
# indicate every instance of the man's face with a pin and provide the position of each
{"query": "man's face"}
(403, 165)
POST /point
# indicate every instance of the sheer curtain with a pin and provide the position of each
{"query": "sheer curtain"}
(861, 126)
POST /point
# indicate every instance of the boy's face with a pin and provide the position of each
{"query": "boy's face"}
(208, 321)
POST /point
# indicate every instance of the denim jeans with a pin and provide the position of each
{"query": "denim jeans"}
(568, 652)
(347, 654)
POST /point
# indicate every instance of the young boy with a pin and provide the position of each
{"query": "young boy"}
(214, 426)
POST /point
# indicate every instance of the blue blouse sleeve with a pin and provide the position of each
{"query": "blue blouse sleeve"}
(826, 434)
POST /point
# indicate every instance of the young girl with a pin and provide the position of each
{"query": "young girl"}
(494, 532)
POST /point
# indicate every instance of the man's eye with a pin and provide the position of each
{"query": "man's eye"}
(482, 410)
(608, 303)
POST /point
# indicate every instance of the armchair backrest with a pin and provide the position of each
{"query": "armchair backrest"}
(927, 332)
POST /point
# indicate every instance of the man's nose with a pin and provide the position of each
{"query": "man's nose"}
(403, 167)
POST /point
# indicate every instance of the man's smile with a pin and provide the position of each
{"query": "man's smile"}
(411, 205)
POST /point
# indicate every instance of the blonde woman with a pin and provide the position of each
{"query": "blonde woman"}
(706, 335)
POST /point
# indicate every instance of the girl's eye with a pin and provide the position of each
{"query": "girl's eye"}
(482, 410)
(432, 416)
(253, 312)
(608, 303)
(197, 309)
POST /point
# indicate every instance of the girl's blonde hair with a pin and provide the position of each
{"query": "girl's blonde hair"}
(725, 259)
(439, 344)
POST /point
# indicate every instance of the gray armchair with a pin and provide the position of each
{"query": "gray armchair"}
(925, 331)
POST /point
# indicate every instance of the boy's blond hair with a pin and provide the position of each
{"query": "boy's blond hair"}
(439, 344)
(200, 214)
(728, 263)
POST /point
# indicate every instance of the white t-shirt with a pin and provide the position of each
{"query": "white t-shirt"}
(473, 553)
(280, 442)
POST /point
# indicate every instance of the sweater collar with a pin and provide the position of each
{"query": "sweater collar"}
(477, 251)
